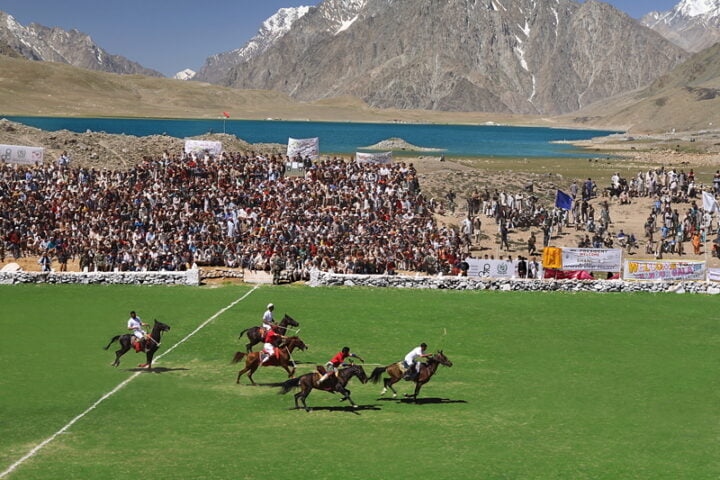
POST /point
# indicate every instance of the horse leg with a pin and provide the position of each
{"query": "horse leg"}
(389, 382)
(240, 374)
(251, 370)
(291, 373)
(124, 347)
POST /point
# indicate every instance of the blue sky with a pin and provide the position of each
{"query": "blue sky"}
(170, 35)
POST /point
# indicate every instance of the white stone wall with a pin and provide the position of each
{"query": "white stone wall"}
(324, 279)
(190, 277)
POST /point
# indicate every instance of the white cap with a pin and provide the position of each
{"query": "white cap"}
(270, 305)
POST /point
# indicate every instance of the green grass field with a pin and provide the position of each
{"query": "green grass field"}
(543, 386)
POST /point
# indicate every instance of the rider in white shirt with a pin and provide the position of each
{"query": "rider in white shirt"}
(411, 360)
(268, 319)
(135, 324)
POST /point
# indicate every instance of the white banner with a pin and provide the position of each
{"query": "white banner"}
(304, 147)
(592, 259)
(481, 268)
(376, 158)
(199, 147)
(664, 270)
(714, 274)
(21, 154)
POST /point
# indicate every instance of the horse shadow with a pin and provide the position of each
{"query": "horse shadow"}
(422, 401)
(157, 369)
(343, 409)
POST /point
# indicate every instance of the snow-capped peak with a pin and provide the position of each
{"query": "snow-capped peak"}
(280, 23)
(694, 8)
(186, 74)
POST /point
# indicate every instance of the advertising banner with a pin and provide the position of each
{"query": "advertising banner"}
(480, 268)
(303, 147)
(664, 270)
(713, 274)
(592, 259)
(199, 147)
(377, 158)
(21, 154)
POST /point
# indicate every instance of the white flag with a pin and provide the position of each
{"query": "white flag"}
(709, 203)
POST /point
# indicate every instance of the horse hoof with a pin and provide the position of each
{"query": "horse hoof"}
(394, 395)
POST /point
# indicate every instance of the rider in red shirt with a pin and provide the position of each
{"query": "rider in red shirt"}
(271, 339)
(336, 362)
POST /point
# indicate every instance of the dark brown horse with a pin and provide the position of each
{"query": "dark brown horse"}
(151, 346)
(337, 383)
(427, 370)
(283, 359)
(257, 334)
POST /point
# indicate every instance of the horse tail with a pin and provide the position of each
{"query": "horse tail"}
(285, 387)
(114, 339)
(376, 374)
(241, 333)
(238, 356)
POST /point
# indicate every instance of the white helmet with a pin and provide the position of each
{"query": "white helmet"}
(270, 305)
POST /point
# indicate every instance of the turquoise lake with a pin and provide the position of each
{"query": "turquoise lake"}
(457, 140)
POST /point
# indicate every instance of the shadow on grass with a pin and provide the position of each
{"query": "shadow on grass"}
(157, 369)
(422, 401)
(344, 409)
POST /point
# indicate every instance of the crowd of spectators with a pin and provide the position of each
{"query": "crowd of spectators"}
(236, 210)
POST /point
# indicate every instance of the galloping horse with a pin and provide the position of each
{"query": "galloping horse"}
(426, 372)
(151, 346)
(256, 334)
(332, 384)
(252, 359)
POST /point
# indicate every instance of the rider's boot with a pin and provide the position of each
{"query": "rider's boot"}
(322, 379)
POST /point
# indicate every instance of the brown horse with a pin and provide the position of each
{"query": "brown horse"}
(336, 383)
(427, 370)
(256, 334)
(151, 346)
(284, 360)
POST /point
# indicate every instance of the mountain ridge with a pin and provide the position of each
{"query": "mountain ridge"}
(53, 44)
(513, 56)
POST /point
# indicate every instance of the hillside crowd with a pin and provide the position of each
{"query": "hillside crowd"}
(236, 210)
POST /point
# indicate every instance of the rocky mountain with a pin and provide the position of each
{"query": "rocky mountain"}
(216, 68)
(37, 42)
(693, 24)
(186, 74)
(518, 56)
(686, 98)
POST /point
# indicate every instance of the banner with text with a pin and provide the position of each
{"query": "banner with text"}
(376, 158)
(592, 259)
(303, 147)
(199, 147)
(665, 270)
(714, 274)
(480, 268)
(21, 154)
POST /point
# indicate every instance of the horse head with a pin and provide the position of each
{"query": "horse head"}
(161, 326)
(360, 372)
(295, 342)
(442, 359)
(288, 320)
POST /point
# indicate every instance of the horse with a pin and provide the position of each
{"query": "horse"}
(252, 359)
(256, 334)
(332, 384)
(427, 370)
(150, 346)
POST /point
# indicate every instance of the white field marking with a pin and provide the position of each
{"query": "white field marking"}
(39, 447)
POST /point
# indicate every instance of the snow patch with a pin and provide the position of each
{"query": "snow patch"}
(521, 56)
(186, 74)
(694, 8)
(345, 25)
(533, 90)
(557, 20)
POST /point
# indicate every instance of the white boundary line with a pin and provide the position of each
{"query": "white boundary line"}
(38, 447)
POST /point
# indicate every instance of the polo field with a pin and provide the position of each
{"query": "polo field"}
(542, 385)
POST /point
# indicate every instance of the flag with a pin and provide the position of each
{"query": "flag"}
(563, 200)
(227, 115)
(709, 203)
